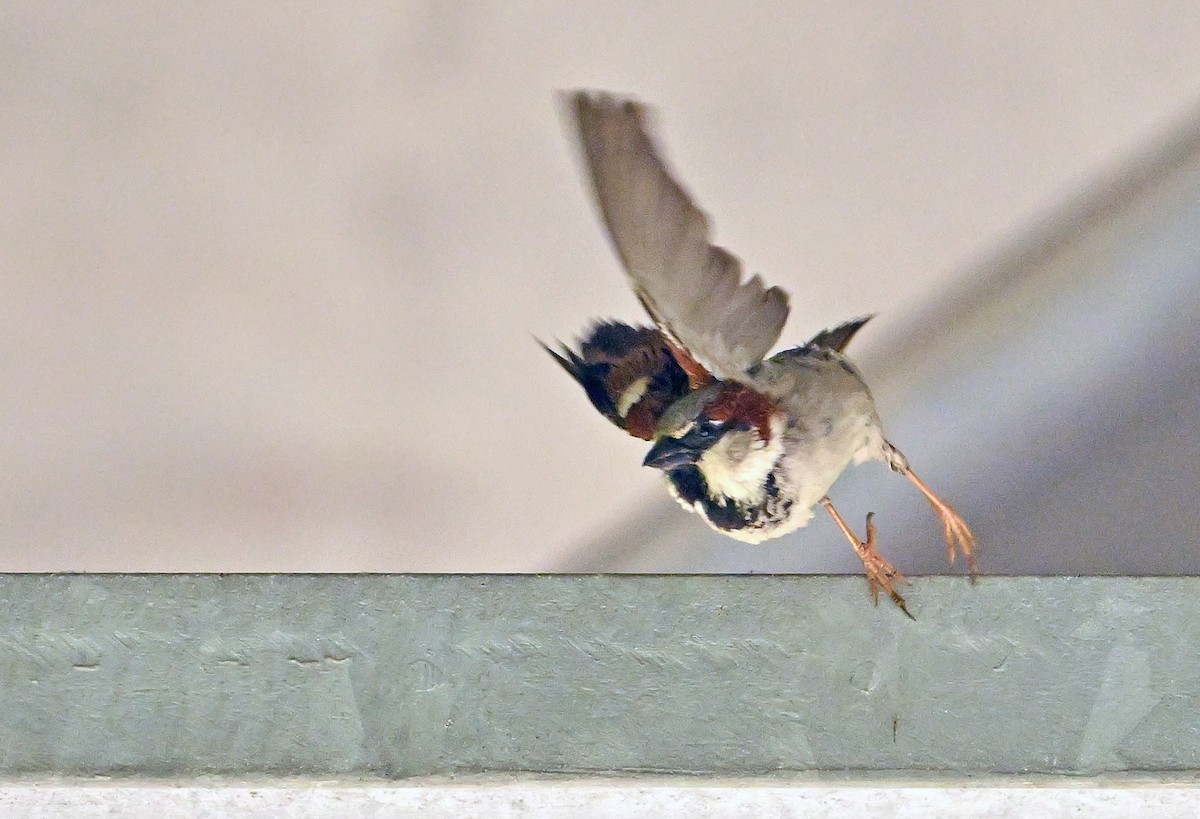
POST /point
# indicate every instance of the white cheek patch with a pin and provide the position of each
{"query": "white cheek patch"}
(632, 394)
(737, 466)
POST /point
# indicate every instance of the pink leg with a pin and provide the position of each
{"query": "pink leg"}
(880, 573)
(958, 534)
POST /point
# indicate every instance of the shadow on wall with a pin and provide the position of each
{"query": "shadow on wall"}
(1055, 406)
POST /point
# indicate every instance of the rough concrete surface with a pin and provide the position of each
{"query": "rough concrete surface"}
(404, 675)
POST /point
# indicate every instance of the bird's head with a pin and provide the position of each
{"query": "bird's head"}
(732, 433)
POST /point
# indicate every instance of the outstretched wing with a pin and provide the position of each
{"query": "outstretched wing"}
(628, 373)
(692, 289)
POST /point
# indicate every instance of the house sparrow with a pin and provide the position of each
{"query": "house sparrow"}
(749, 443)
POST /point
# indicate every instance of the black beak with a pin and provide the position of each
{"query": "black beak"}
(671, 453)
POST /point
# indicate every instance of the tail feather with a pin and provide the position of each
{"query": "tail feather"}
(838, 337)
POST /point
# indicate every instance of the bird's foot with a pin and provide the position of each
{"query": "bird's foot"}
(880, 573)
(958, 535)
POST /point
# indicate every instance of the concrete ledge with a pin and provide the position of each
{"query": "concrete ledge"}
(400, 676)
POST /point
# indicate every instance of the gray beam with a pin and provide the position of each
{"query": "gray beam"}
(177, 675)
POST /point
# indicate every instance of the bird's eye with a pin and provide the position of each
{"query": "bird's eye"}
(707, 429)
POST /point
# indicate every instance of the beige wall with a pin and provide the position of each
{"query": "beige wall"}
(269, 275)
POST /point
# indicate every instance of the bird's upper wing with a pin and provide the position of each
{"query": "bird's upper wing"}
(629, 374)
(692, 289)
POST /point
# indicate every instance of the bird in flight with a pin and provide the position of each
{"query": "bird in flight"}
(750, 443)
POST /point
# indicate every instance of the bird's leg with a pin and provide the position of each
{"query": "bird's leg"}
(958, 534)
(880, 573)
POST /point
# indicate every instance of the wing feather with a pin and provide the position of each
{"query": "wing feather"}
(692, 289)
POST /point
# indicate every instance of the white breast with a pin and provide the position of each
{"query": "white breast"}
(832, 422)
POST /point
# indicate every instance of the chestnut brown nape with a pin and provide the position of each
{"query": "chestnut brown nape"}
(740, 402)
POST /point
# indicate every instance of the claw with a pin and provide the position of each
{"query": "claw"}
(956, 531)
(958, 536)
(880, 573)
